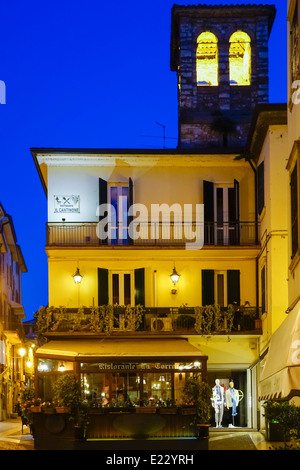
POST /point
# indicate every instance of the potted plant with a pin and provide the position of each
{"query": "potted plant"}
(67, 391)
(198, 393)
(278, 416)
(36, 406)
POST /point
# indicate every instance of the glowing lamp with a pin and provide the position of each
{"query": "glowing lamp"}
(22, 352)
(174, 276)
(77, 276)
(61, 367)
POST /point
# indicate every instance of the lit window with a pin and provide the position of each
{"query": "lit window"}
(240, 59)
(207, 60)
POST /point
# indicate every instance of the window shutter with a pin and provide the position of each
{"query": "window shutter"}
(139, 282)
(102, 200)
(130, 203)
(260, 188)
(208, 201)
(102, 286)
(208, 287)
(233, 287)
(263, 289)
(234, 213)
(294, 211)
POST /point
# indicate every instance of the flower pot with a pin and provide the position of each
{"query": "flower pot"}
(201, 431)
(78, 432)
(35, 409)
(62, 409)
(275, 432)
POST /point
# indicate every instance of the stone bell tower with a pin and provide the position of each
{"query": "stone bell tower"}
(220, 54)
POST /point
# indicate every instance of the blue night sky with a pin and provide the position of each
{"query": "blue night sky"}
(91, 74)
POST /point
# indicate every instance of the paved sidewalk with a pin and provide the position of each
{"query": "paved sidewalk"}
(12, 437)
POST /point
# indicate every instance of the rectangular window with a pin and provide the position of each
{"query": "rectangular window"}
(294, 210)
(118, 197)
(121, 289)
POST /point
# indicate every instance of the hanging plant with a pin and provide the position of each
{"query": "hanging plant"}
(59, 318)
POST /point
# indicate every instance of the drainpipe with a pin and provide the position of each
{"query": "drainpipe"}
(256, 232)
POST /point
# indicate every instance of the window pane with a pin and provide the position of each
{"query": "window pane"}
(157, 387)
(127, 289)
(115, 288)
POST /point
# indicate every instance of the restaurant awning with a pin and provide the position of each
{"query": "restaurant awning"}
(281, 373)
(119, 348)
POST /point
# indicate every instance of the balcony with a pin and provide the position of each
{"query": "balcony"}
(118, 320)
(153, 235)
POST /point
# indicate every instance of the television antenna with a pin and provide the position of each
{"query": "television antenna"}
(163, 136)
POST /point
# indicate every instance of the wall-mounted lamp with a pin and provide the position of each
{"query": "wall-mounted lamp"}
(77, 276)
(174, 278)
(22, 352)
(61, 367)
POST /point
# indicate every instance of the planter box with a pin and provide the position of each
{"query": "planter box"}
(202, 431)
(146, 409)
(274, 432)
(49, 411)
(35, 409)
(188, 411)
(62, 409)
(168, 411)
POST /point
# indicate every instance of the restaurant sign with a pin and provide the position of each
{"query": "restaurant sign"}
(134, 366)
(66, 204)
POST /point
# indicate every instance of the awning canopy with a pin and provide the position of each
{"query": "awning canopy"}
(119, 348)
(281, 374)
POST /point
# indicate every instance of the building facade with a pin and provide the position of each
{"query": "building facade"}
(165, 264)
(12, 350)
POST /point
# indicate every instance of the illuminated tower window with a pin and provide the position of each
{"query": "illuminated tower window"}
(207, 60)
(240, 59)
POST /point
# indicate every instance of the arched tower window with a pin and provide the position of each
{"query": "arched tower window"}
(207, 60)
(240, 59)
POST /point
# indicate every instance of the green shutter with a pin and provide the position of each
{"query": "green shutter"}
(102, 200)
(233, 287)
(102, 286)
(130, 203)
(139, 282)
(208, 287)
(208, 201)
(260, 188)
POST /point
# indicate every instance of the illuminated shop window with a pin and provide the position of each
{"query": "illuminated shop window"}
(207, 60)
(240, 59)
